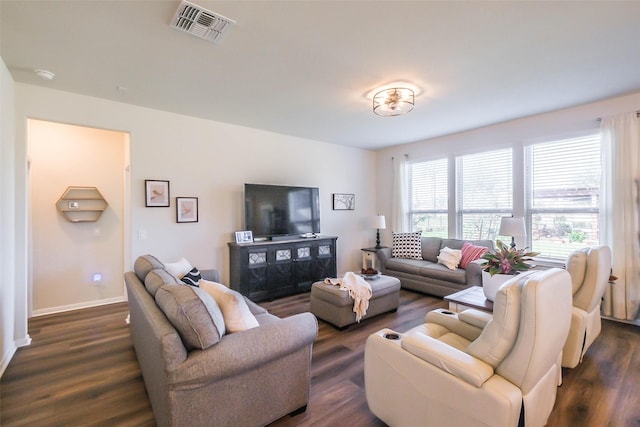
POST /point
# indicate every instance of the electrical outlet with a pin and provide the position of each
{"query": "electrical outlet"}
(97, 278)
(142, 234)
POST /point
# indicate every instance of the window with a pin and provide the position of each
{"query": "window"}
(557, 184)
(429, 197)
(484, 193)
(562, 198)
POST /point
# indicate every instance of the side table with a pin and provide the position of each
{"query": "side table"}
(370, 257)
(472, 297)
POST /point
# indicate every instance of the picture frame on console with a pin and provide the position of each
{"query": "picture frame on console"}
(244, 236)
(156, 193)
(344, 202)
(186, 209)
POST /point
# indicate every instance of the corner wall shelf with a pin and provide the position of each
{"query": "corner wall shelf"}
(81, 204)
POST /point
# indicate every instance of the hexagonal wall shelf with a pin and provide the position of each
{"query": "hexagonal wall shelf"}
(82, 204)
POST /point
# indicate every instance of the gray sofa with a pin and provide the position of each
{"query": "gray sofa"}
(426, 275)
(248, 378)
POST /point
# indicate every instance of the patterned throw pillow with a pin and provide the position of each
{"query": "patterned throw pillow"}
(406, 245)
(471, 253)
(192, 278)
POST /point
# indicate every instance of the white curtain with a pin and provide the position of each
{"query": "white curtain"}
(619, 212)
(399, 220)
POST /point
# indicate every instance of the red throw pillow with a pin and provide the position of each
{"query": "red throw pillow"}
(471, 253)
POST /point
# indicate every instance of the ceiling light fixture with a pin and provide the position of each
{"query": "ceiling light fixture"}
(393, 101)
(44, 74)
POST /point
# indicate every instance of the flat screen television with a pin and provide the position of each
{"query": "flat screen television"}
(279, 210)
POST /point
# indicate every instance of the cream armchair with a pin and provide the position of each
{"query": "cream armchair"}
(589, 269)
(472, 368)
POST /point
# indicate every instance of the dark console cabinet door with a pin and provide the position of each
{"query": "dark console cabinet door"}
(305, 274)
(315, 260)
(274, 269)
(281, 272)
(325, 261)
(254, 276)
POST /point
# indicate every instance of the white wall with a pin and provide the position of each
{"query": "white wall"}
(212, 161)
(557, 124)
(7, 347)
(13, 321)
(65, 255)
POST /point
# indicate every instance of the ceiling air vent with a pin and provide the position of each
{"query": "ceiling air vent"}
(200, 22)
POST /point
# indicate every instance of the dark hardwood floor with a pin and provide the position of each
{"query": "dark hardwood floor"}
(81, 370)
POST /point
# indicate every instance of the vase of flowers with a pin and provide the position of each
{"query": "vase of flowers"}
(501, 265)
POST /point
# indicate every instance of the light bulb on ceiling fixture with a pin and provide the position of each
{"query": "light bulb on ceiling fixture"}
(393, 101)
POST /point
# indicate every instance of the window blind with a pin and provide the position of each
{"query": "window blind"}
(562, 197)
(429, 185)
(484, 193)
(429, 197)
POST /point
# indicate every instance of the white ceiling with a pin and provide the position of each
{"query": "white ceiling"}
(304, 68)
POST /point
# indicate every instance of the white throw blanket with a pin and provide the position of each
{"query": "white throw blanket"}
(358, 289)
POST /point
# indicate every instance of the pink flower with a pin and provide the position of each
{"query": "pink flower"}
(505, 266)
(506, 260)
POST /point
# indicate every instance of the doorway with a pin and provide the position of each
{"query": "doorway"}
(76, 264)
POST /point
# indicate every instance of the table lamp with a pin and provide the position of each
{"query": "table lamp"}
(514, 227)
(379, 224)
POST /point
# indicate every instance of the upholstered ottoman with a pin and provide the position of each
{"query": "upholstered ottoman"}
(331, 304)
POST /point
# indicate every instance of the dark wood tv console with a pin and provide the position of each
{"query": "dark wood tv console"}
(273, 269)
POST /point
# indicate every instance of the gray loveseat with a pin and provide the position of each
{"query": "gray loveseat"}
(426, 275)
(248, 378)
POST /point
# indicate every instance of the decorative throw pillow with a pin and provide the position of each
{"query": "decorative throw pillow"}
(450, 258)
(178, 268)
(193, 313)
(471, 252)
(406, 245)
(237, 316)
(192, 278)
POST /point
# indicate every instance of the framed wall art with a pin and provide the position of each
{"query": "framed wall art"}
(156, 193)
(187, 209)
(244, 236)
(344, 202)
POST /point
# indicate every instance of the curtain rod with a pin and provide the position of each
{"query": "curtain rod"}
(599, 119)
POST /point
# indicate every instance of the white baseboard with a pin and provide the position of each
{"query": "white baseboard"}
(6, 358)
(24, 341)
(78, 306)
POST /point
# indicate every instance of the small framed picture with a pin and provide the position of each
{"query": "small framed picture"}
(344, 202)
(244, 236)
(156, 193)
(187, 209)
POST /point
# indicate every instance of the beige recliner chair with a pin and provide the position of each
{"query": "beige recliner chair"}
(472, 368)
(589, 269)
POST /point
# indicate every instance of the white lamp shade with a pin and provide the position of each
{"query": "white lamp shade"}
(510, 226)
(379, 222)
